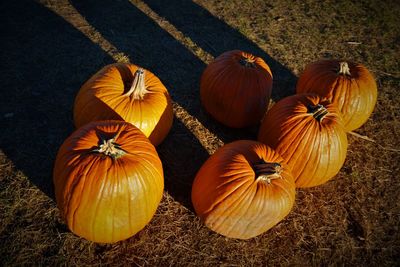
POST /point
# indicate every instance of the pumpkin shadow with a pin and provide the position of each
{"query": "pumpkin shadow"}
(181, 155)
(44, 61)
(216, 37)
(148, 45)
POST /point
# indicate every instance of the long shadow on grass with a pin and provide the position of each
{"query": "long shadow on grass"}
(148, 45)
(215, 37)
(44, 61)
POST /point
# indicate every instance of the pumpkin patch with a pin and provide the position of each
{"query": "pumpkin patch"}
(67, 65)
(250, 185)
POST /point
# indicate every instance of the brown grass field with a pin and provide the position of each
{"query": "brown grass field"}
(49, 48)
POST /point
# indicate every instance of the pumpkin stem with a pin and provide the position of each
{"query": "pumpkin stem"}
(247, 62)
(267, 171)
(110, 148)
(318, 111)
(344, 68)
(138, 87)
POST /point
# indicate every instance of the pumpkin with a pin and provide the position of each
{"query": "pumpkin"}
(108, 181)
(308, 132)
(126, 92)
(235, 89)
(243, 189)
(348, 85)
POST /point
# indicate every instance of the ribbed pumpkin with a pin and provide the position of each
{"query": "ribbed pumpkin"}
(308, 133)
(108, 181)
(243, 190)
(348, 85)
(126, 92)
(235, 89)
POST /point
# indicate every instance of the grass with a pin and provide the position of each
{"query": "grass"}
(51, 47)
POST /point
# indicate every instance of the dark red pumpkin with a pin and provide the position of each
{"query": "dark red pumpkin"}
(235, 89)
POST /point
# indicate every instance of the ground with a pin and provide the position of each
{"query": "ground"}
(50, 48)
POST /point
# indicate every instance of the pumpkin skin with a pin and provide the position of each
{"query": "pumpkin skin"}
(243, 189)
(107, 197)
(235, 89)
(108, 95)
(348, 85)
(308, 133)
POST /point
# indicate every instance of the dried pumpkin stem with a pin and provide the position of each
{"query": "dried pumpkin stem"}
(247, 62)
(138, 88)
(344, 68)
(318, 111)
(267, 171)
(110, 148)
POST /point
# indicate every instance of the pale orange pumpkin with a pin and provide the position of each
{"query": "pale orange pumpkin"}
(308, 133)
(348, 85)
(126, 92)
(243, 190)
(108, 181)
(235, 89)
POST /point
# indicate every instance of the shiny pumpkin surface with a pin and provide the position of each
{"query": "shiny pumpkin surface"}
(233, 199)
(315, 148)
(236, 88)
(104, 97)
(103, 198)
(353, 89)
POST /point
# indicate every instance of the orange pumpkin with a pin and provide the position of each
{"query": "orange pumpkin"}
(243, 190)
(348, 85)
(108, 181)
(236, 88)
(126, 92)
(308, 133)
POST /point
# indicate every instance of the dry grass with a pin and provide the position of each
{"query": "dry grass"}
(50, 48)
